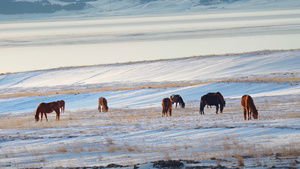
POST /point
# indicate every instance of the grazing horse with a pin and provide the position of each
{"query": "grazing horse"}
(62, 105)
(102, 102)
(166, 107)
(211, 99)
(44, 108)
(221, 97)
(248, 107)
(176, 98)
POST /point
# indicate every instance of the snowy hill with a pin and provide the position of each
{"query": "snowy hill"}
(133, 133)
(214, 71)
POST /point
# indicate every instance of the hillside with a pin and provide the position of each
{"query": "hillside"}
(133, 133)
(273, 71)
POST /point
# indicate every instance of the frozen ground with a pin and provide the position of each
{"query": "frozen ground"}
(133, 131)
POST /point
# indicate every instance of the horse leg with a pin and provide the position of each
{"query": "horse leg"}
(41, 117)
(244, 114)
(170, 112)
(249, 114)
(176, 104)
(217, 109)
(57, 114)
(46, 117)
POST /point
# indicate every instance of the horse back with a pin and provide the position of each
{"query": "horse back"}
(45, 107)
(166, 103)
(211, 99)
(102, 101)
(247, 102)
(175, 97)
(244, 100)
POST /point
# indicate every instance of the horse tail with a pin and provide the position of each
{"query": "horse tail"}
(202, 105)
(99, 104)
(165, 105)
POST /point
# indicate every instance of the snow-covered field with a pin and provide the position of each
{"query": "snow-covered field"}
(133, 133)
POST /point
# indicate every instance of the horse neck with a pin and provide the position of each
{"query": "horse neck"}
(253, 108)
(37, 113)
(202, 105)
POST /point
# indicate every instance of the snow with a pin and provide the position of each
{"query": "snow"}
(133, 131)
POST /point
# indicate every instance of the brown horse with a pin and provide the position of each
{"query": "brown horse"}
(248, 107)
(102, 102)
(62, 105)
(44, 108)
(221, 97)
(211, 99)
(166, 107)
(176, 98)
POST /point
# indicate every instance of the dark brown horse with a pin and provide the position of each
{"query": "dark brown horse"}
(221, 97)
(44, 108)
(176, 98)
(102, 102)
(62, 105)
(211, 99)
(166, 107)
(248, 107)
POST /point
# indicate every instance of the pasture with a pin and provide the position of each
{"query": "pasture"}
(139, 136)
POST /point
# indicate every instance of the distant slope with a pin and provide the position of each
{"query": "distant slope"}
(144, 84)
(255, 66)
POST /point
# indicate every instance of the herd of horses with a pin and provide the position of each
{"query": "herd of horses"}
(209, 99)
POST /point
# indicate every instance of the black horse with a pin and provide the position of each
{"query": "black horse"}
(211, 99)
(176, 98)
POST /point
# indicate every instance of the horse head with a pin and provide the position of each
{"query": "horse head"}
(105, 109)
(182, 104)
(202, 105)
(36, 116)
(255, 114)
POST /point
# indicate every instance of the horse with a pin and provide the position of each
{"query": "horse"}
(221, 97)
(211, 99)
(44, 108)
(248, 107)
(176, 98)
(62, 105)
(166, 107)
(102, 102)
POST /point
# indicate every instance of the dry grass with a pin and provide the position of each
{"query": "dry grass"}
(292, 79)
(86, 123)
(240, 160)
